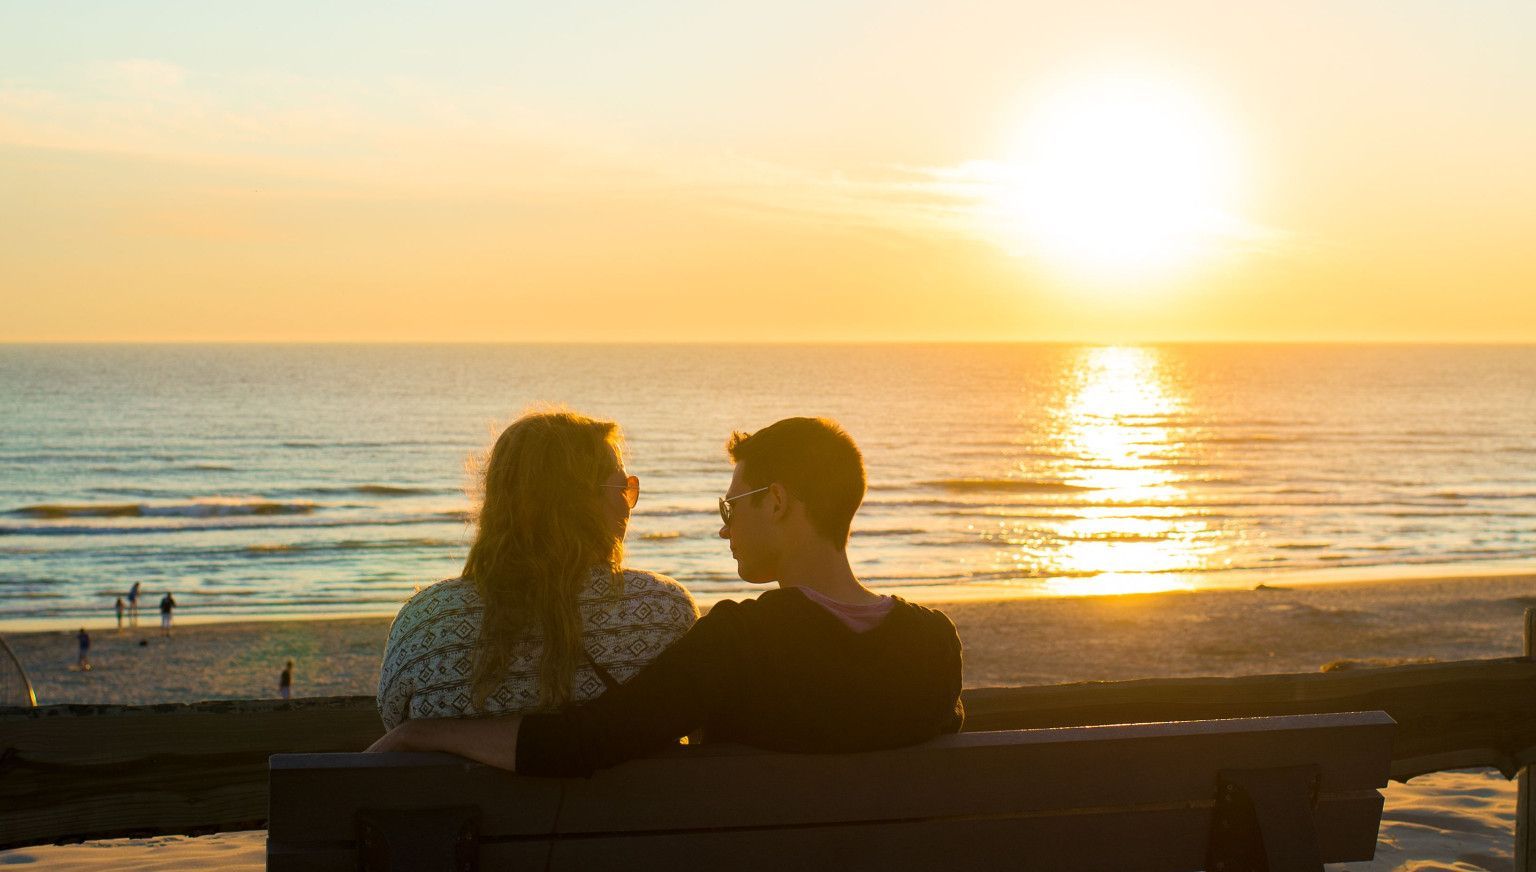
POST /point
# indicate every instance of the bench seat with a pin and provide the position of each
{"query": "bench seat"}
(1276, 792)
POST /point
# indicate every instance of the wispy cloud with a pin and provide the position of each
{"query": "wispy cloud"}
(401, 138)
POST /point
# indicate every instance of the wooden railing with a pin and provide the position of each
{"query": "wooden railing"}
(71, 772)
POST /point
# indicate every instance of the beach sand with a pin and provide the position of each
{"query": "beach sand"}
(1449, 820)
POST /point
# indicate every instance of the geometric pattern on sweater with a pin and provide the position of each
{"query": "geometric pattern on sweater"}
(429, 659)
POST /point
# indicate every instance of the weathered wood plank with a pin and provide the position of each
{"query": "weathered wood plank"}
(388, 781)
(74, 772)
(966, 775)
(76, 759)
(1164, 840)
(980, 800)
(972, 774)
(1449, 715)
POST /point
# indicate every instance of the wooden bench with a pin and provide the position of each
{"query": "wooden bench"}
(1278, 793)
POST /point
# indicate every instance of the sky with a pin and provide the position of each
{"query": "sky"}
(827, 171)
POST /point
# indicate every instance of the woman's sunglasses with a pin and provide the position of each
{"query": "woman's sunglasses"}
(631, 488)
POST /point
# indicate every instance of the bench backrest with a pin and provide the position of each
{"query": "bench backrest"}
(1137, 796)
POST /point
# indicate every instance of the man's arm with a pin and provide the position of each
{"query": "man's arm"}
(667, 699)
(492, 741)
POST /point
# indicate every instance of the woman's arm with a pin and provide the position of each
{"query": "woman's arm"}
(492, 741)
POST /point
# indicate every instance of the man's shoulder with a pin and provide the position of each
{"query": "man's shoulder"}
(924, 619)
(921, 612)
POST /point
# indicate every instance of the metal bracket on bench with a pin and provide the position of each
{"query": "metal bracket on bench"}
(432, 840)
(1263, 821)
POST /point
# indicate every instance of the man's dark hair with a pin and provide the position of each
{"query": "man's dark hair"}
(815, 460)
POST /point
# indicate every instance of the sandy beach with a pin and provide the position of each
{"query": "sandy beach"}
(1451, 821)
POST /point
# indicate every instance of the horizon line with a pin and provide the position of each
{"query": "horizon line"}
(761, 342)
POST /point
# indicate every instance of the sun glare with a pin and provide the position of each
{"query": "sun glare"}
(1126, 179)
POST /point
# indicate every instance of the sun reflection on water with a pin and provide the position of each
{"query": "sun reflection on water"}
(1128, 527)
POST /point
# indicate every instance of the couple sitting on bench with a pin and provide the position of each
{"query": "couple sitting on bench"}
(548, 658)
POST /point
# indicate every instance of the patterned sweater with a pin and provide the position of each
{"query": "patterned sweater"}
(429, 660)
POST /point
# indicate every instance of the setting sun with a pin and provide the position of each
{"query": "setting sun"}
(1120, 179)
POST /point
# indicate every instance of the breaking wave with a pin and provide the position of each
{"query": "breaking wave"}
(204, 509)
(1006, 485)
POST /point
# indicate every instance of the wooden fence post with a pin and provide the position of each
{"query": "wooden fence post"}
(1524, 860)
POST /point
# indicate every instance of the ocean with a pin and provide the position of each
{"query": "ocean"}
(318, 480)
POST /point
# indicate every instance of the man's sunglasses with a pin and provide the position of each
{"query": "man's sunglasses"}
(631, 488)
(725, 504)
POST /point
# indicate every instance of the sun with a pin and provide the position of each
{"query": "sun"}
(1119, 179)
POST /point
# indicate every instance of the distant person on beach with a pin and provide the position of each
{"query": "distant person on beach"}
(84, 638)
(133, 605)
(544, 614)
(167, 603)
(119, 614)
(285, 681)
(821, 664)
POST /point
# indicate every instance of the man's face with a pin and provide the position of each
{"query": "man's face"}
(750, 532)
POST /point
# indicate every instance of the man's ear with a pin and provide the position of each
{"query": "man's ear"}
(778, 501)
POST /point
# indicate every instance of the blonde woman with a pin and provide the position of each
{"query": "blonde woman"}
(543, 614)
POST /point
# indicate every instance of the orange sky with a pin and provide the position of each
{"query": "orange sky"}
(822, 171)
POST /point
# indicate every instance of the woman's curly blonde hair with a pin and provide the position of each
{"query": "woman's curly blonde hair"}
(540, 532)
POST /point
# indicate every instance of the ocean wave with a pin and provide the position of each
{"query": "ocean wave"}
(900, 531)
(142, 492)
(309, 444)
(1011, 515)
(928, 504)
(379, 490)
(661, 535)
(205, 509)
(1250, 439)
(128, 510)
(1112, 537)
(49, 457)
(1483, 495)
(1006, 485)
(273, 548)
(117, 469)
(1214, 481)
(349, 545)
(59, 530)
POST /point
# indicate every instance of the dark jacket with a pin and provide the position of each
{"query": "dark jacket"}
(778, 672)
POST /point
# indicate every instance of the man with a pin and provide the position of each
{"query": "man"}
(84, 640)
(167, 603)
(821, 664)
(285, 681)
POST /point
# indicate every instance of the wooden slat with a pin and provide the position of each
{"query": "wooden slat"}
(1126, 793)
(502, 856)
(1450, 715)
(1166, 840)
(1161, 840)
(77, 772)
(510, 805)
(978, 774)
